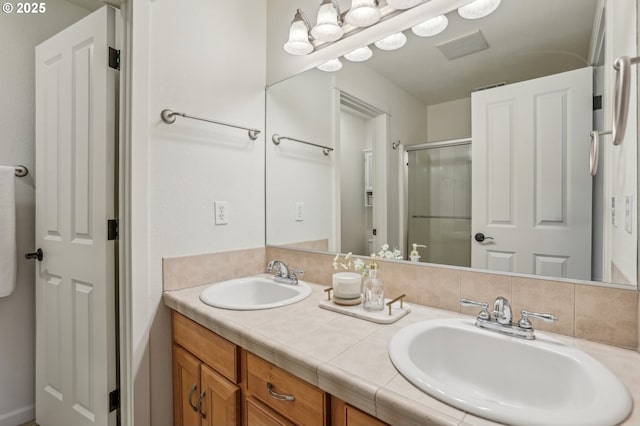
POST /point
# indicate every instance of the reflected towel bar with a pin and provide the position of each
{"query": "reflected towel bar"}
(277, 139)
(21, 171)
(169, 117)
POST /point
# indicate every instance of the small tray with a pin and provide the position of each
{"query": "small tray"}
(379, 317)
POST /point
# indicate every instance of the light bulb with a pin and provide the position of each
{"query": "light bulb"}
(331, 65)
(431, 26)
(298, 43)
(478, 9)
(360, 54)
(327, 28)
(392, 42)
(363, 13)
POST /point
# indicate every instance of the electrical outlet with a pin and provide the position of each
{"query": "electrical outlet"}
(299, 211)
(222, 212)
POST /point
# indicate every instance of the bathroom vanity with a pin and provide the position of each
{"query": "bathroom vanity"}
(250, 363)
(216, 382)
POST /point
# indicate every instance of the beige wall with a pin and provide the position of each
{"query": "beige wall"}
(602, 314)
(580, 307)
(449, 120)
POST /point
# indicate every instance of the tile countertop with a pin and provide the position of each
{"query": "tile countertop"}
(347, 357)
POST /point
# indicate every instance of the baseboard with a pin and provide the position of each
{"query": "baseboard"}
(19, 416)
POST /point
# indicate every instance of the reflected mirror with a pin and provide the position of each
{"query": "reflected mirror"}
(473, 142)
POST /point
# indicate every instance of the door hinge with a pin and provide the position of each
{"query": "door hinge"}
(597, 102)
(114, 400)
(112, 229)
(114, 58)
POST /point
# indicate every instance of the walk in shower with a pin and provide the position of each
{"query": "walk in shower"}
(439, 201)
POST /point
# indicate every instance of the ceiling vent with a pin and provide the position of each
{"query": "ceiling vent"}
(463, 45)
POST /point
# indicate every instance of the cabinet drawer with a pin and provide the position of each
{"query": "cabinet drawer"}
(259, 415)
(343, 414)
(308, 408)
(212, 349)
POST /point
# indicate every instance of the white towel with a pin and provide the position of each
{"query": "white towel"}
(8, 250)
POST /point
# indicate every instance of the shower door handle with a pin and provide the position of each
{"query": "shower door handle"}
(480, 237)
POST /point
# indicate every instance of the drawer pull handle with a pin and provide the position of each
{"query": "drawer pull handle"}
(193, 389)
(203, 415)
(278, 396)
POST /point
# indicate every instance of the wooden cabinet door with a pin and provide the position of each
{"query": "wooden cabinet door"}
(221, 401)
(186, 383)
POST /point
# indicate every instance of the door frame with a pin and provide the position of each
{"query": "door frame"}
(379, 119)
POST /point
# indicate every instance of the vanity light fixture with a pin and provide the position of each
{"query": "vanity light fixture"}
(299, 42)
(392, 42)
(363, 13)
(332, 65)
(361, 54)
(478, 9)
(403, 4)
(431, 26)
(329, 23)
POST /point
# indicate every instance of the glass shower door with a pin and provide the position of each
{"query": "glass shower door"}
(439, 196)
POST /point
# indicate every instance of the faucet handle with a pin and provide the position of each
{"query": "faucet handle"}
(295, 273)
(484, 313)
(525, 323)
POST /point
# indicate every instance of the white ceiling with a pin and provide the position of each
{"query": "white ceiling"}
(527, 39)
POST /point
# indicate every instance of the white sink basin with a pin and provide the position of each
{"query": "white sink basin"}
(509, 380)
(252, 293)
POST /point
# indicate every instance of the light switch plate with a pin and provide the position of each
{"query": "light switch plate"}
(299, 211)
(221, 212)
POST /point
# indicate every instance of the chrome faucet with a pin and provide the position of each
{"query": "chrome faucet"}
(283, 273)
(502, 318)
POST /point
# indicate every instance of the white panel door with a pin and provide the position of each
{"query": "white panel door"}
(531, 187)
(75, 181)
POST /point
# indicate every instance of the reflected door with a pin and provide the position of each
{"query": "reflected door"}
(531, 181)
(440, 203)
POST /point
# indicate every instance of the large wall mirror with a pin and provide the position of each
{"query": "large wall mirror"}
(473, 142)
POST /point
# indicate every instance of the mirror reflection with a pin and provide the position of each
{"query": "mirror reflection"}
(473, 142)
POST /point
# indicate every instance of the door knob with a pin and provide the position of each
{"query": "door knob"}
(480, 237)
(35, 255)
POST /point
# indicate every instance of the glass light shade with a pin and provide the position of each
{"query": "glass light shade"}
(431, 26)
(331, 65)
(478, 9)
(363, 13)
(327, 27)
(403, 4)
(392, 42)
(298, 43)
(360, 54)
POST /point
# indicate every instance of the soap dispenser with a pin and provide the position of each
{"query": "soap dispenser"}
(373, 289)
(415, 256)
